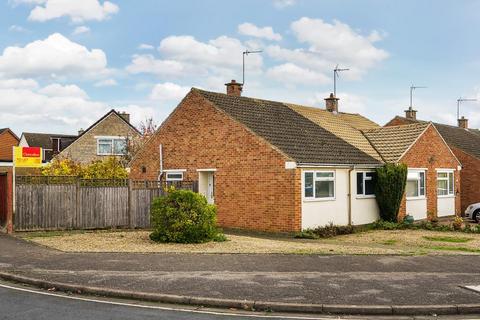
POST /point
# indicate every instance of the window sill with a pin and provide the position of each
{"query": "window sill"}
(446, 196)
(365, 197)
(318, 199)
(417, 198)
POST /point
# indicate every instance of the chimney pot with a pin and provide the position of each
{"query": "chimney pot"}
(81, 131)
(125, 116)
(331, 103)
(463, 122)
(234, 88)
(411, 114)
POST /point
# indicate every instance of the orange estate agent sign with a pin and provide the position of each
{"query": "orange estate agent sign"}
(27, 157)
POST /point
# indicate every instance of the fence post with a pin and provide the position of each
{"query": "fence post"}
(129, 204)
(75, 222)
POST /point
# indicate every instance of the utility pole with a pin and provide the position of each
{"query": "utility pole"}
(335, 75)
(459, 101)
(246, 53)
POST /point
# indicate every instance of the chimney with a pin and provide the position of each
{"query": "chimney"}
(411, 114)
(234, 88)
(463, 123)
(81, 131)
(125, 116)
(331, 103)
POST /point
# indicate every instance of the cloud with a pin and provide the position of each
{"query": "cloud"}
(144, 46)
(106, 83)
(28, 2)
(168, 91)
(16, 28)
(290, 73)
(52, 57)
(58, 90)
(148, 64)
(77, 11)
(18, 83)
(280, 4)
(80, 30)
(250, 29)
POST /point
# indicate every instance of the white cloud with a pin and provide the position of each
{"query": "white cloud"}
(29, 2)
(18, 83)
(148, 64)
(280, 4)
(250, 29)
(106, 83)
(80, 29)
(144, 46)
(16, 28)
(52, 57)
(57, 90)
(290, 73)
(168, 91)
(77, 11)
(138, 113)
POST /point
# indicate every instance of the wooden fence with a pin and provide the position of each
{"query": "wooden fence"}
(59, 203)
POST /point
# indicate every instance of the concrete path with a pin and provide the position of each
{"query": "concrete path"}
(361, 280)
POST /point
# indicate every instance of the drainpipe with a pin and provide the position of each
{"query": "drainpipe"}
(350, 195)
(160, 152)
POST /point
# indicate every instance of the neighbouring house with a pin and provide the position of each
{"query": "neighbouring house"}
(108, 136)
(465, 144)
(51, 143)
(8, 140)
(277, 166)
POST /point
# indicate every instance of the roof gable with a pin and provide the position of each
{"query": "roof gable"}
(290, 132)
(7, 130)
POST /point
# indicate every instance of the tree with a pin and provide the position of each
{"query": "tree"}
(62, 167)
(389, 189)
(147, 128)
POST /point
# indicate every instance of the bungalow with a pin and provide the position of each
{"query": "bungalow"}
(275, 166)
(107, 137)
(51, 143)
(465, 144)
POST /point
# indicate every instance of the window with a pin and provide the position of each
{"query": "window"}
(415, 184)
(111, 146)
(365, 183)
(174, 176)
(445, 184)
(319, 184)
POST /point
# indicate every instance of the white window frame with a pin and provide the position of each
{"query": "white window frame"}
(448, 172)
(418, 171)
(112, 140)
(174, 171)
(364, 177)
(314, 172)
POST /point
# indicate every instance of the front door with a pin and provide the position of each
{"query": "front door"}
(210, 187)
(3, 199)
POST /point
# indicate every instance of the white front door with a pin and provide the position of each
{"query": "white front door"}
(210, 187)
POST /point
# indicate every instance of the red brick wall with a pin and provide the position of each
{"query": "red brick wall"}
(7, 142)
(431, 152)
(253, 190)
(8, 215)
(470, 178)
(398, 122)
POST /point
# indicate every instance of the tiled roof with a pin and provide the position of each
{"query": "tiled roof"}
(336, 124)
(358, 121)
(392, 142)
(467, 140)
(296, 136)
(44, 141)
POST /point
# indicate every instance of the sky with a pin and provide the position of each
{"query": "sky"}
(65, 63)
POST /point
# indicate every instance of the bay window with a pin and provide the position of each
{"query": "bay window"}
(415, 184)
(319, 185)
(445, 183)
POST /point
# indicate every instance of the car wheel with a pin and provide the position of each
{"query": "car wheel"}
(476, 215)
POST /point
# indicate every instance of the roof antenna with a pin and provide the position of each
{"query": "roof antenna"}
(459, 101)
(412, 88)
(335, 75)
(246, 53)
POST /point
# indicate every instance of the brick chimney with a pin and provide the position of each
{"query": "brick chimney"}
(234, 88)
(331, 103)
(463, 123)
(125, 116)
(411, 114)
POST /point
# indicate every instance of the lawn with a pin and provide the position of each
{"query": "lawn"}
(405, 242)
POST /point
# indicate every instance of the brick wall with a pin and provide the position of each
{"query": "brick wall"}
(470, 177)
(8, 216)
(84, 149)
(7, 142)
(431, 152)
(253, 190)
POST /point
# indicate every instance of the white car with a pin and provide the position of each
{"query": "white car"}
(473, 212)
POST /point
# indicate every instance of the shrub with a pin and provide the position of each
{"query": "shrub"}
(389, 189)
(327, 231)
(183, 216)
(109, 168)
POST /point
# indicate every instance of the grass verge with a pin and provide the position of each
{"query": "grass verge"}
(447, 239)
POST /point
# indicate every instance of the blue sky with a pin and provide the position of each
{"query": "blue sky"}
(65, 63)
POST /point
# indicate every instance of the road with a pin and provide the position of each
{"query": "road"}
(31, 304)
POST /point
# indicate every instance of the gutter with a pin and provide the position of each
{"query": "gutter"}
(345, 166)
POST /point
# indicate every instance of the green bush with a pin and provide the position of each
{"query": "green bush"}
(327, 231)
(389, 189)
(184, 216)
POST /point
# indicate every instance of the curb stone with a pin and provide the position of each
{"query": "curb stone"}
(248, 304)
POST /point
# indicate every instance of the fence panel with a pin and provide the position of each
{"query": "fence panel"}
(58, 203)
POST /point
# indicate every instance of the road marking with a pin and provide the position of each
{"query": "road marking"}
(473, 288)
(124, 304)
